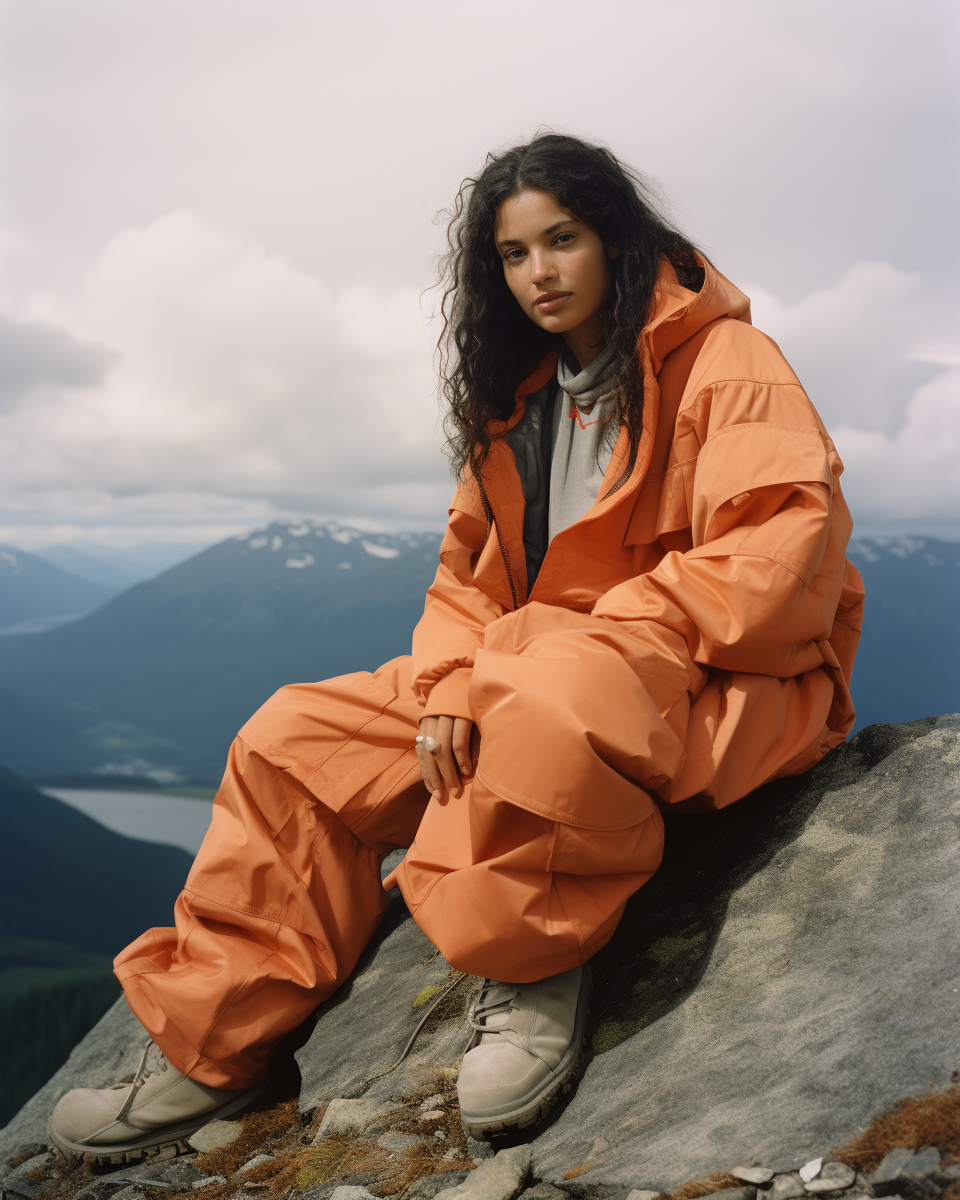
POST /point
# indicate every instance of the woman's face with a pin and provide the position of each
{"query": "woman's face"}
(557, 268)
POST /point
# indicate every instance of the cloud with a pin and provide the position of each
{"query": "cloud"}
(891, 402)
(235, 385)
(851, 344)
(239, 375)
(914, 474)
(32, 355)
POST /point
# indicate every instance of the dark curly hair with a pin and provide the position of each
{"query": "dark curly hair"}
(488, 344)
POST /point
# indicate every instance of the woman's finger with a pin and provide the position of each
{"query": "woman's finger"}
(445, 759)
(462, 728)
(428, 764)
(430, 773)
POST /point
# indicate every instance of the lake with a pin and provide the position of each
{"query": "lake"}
(174, 820)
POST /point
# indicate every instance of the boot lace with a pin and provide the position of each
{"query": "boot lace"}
(494, 1000)
(150, 1064)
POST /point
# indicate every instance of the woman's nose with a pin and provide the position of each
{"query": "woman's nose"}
(542, 265)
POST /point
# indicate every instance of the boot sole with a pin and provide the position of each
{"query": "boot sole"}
(169, 1141)
(537, 1108)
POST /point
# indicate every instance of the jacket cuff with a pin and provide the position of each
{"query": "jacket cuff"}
(448, 696)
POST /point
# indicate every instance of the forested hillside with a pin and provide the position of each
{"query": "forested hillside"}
(72, 895)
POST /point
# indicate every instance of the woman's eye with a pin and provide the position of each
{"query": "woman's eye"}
(514, 254)
(562, 236)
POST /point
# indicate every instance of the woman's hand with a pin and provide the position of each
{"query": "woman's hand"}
(459, 742)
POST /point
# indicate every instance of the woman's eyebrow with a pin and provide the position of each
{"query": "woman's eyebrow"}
(552, 229)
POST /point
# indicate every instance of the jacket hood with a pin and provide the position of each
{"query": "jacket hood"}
(679, 314)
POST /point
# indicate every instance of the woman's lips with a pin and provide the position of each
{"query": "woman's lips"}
(551, 301)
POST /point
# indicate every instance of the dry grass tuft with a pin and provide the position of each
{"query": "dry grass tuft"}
(261, 1130)
(930, 1120)
(706, 1187)
(338, 1155)
(417, 1162)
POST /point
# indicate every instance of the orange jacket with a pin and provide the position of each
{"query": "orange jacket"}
(721, 551)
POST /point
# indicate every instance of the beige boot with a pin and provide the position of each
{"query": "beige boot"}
(138, 1117)
(525, 1048)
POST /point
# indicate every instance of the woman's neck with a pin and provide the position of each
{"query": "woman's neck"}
(586, 342)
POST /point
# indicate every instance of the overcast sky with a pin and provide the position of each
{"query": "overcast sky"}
(219, 220)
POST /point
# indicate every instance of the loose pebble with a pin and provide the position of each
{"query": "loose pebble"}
(891, 1166)
(642, 1194)
(924, 1162)
(833, 1177)
(395, 1143)
(435, 1101)
(254, 1162)
(211, 1179)
(350, 1116)
(811, 1169)
(752, 1174)
(787, 1187)
(433, 1114)
(497, 1178)
(215, 1135)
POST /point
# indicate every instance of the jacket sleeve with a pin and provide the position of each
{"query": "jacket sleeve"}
(759, 590)
(457, 612)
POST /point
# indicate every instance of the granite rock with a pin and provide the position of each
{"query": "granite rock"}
(215, 1135)
(832, 1177)
(169, 1175)
(787, 1187)
(755, 1175)
(363, 1028)
(253, 1163)
(351, 1193)
(396, 1143)
(350, 1116)
(17, 1184)
(430, 1185)
(785, 976)
(498, 1178)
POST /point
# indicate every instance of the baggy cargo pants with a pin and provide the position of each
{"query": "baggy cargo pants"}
(523, 876)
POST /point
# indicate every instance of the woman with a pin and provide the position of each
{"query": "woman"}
(642, 601)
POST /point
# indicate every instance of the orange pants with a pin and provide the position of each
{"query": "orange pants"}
(524, 876)
(321, 784)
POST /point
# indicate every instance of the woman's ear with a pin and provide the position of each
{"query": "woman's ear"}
(613, 251)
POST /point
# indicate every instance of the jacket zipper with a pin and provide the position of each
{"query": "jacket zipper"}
(488, 510)
(621, 481)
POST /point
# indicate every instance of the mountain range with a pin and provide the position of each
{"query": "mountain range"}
(35, 594)
(156, 681)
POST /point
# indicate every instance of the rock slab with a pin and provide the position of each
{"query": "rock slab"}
(803, 944)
